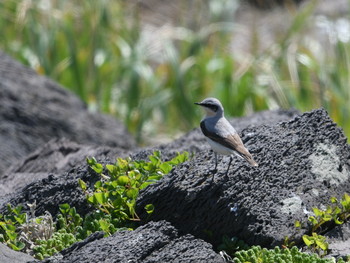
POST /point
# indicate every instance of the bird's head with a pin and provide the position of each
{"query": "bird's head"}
(211, 106)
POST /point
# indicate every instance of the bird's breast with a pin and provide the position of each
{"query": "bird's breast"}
(217, 147)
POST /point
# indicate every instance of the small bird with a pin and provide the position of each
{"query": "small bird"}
(220, 134)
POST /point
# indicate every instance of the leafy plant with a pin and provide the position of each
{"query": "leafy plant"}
(58, 241)
(114, 198)
(115, 194)
(335, 214)
(9, 227)
(316, 242)
(256, 254)
(338, 212)
(21, 233)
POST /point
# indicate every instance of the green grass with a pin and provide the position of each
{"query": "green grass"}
(97, 50)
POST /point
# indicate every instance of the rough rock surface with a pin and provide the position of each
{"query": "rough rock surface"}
(56, 157)
(302, 163)
(8, 255)
(34, 110)
(154, 242)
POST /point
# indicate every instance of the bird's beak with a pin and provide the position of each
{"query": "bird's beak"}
(197, 103)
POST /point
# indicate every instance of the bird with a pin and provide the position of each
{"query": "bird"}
(220, 134)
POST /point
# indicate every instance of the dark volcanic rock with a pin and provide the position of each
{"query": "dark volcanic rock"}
(34, 110)
(56, 157)
(154, 242)
(8, 255)
(302, 163)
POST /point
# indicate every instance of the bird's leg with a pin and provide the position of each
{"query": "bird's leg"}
(216, 165)
(229, 164)
(216, 162)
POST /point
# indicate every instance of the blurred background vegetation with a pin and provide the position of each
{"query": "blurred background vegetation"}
(147, 66)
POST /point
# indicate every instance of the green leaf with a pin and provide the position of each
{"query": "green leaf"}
(166, 167)
(100, 198)
(180, 158)
(17, 210)
(317, 212)
(154, 178)
(82, 184)
(21, 219)
(308, 240)
(154, 160)
(346, 202)
(122, 180)
(131, 205)
(11, 233)
(104, 225)
(297, 224)
(157, 154)
(97, 167)
(90, 161)
(64, 208)
(122, 163)
(98, 185)
(337, 221)
(313, 220)
(112, 169)
(322, 244)
(327, 217)
(337, 210)
(132, 193)
(132, 174)
(334, 200)
(17, 246)
(149, 208)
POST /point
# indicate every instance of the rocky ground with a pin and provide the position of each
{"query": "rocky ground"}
(46, 133)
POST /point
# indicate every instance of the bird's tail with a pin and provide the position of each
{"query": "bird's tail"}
(250, 160)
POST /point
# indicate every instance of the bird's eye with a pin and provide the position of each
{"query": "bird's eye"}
(214, 108)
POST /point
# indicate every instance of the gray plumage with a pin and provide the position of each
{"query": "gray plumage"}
(220, 134)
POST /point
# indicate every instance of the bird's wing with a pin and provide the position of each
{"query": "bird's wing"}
(231, 141)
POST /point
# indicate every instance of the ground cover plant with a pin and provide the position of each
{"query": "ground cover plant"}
(115, 67)
(257, 254)
(323, 220)
(113, 196)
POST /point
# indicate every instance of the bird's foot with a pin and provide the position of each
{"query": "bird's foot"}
(212, 178)
(226, 174)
